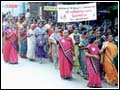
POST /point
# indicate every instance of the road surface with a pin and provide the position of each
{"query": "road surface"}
(33, 75)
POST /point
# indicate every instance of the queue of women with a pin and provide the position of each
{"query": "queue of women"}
(91, 53)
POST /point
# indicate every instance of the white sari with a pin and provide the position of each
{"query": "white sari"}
(31, 44)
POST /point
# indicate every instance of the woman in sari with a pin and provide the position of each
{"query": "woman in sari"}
(23, 42)
(49, 31)
(109, 51)
(76, 40)
(53, 48)
(65, 55)
(41, 39)
(92, 58)
(31, 43)
(82, 59)
(10, 46)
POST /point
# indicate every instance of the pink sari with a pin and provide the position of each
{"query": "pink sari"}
(93, 67)
(66, 65)
(9, 47)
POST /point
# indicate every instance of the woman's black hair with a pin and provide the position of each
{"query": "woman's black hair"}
(109, 34)
(92, 38)
(85, 32)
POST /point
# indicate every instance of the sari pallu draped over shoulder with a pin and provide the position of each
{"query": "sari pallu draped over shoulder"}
(93, 67)
(10, 47)
(108, 65)
(67, 51)
(65, 55)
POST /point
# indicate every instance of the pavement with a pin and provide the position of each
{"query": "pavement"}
(33, 75)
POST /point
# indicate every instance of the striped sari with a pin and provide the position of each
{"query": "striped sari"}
(93, 67)
(65, 55)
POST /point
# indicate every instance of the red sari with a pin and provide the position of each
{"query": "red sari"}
(93, 67)
(10, 47)
(66, 64)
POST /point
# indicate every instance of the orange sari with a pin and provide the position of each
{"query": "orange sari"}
(109, 68)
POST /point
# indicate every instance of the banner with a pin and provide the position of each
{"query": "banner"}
(50, 8)
(78, 12)
(15, 8)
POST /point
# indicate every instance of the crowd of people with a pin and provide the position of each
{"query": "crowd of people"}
(92, 51)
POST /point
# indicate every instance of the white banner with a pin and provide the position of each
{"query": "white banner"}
(78, 12)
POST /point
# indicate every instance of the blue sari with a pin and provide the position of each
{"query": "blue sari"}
(41, 42)
(23, 43)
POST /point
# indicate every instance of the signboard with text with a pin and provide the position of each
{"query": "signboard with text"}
(50, 8)
(15, 8)
(78, 12)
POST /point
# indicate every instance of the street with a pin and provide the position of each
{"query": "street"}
(33, 75)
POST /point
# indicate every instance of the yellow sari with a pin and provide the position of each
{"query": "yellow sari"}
(76, 50)
(109, 68)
